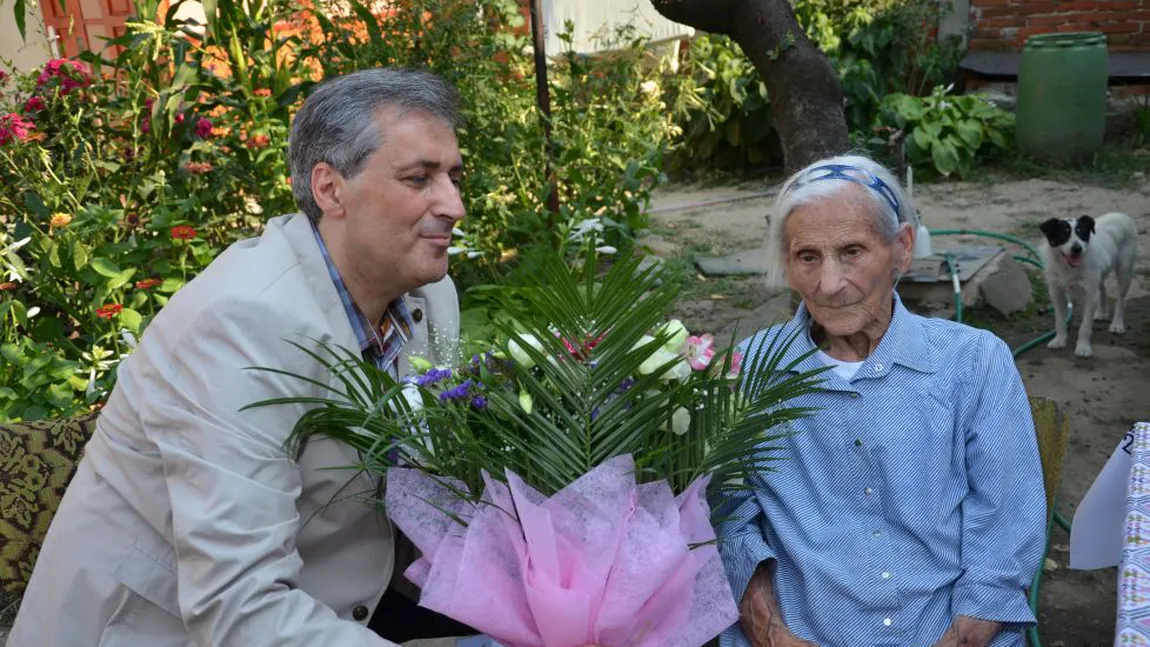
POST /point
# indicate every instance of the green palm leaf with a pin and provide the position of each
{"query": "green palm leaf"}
(592, 399)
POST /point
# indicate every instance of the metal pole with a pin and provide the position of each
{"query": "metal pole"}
(543, 98)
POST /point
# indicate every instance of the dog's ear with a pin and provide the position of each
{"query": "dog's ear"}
(1050, 227)
(1087, 223)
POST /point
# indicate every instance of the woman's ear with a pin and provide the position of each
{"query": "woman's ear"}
(904, 241)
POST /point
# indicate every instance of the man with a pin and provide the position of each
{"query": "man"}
(187, 522)
(910, 509)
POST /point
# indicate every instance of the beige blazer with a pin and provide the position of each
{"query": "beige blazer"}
(187, 524)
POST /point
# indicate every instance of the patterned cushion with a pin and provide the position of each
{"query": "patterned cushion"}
(37, 460)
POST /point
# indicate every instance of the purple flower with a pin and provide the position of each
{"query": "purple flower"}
(626, 384)
(456, 392)
(434, 376)
(479, 402)
(595, 413)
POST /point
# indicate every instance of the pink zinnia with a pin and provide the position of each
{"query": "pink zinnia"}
(34, 104)
(72, 74)
(203, 128)
(14, 127)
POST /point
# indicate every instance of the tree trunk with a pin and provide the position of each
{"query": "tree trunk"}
(806, 97)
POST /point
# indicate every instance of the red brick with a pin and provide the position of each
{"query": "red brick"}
(1091, 19)
(1120, 28)
(1046, 20)
(1140, 16)
(1075, 26)
(991, 3)
(988, 45)
(1119, 5)
(998, 12)
(1077, 5)
(1000, 23)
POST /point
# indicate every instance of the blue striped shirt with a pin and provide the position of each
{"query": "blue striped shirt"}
(381, 344)
(913, 495)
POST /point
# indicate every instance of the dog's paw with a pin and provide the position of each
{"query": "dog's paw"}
(1118, 327)
(1101, 315)
(1083, 350)
(1057, 342)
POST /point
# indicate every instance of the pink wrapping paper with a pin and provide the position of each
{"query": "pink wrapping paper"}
(604, 561)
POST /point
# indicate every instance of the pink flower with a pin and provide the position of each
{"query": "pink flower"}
(14, 127)
(71, 73)
(699, 351)
(736, 365)
(3, 76)
(180, 118)
(34, 104)
(203, 128)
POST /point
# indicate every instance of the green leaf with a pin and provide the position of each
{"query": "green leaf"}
(131, 320)
(970, 132)
(105, 267)
(945, 157)
(80, 254)
(922, 138)
(120, 280)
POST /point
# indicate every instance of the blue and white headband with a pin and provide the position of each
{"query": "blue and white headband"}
(861, 177)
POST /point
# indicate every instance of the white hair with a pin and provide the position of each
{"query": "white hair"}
(818, 182)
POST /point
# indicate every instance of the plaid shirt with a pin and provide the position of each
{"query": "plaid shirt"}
(381, 343)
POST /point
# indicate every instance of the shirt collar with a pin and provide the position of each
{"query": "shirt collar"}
(904, 343)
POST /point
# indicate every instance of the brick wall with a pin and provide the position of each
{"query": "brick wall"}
(1006, 24)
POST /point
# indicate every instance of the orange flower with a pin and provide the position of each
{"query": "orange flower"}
(148, 283)
(7, 285)
(109, 311)
(263, 92)
(198, 168)
(183, 232)
(59, 220)
(259, 141)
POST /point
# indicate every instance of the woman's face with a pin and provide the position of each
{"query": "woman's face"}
(840, 264)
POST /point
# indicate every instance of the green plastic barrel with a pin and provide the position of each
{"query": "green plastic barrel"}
(1061, 105)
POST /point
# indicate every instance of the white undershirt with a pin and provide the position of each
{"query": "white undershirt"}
(845, 370)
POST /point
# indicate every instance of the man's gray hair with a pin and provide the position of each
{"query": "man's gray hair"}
(888, 201)
(337, 124)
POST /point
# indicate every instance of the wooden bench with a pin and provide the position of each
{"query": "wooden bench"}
(1126, 68)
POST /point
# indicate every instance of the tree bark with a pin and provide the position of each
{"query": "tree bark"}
(806, 97)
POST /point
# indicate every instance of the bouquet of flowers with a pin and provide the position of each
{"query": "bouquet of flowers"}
(558, 483)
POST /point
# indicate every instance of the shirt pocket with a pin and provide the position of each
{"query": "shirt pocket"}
(146, 574)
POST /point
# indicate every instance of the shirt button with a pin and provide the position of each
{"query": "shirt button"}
(886, 576)
(877, 533)
(359, 614)
(858, 442)
(417, 315)
(854, 394)
(886, 622)
(878, 367)
(868, 491)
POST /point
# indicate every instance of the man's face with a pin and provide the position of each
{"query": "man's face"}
(400, 209)
(840, 264)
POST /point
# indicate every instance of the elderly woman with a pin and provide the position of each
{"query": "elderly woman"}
(911, 509)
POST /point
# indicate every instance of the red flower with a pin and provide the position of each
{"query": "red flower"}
(3, 76)
(14, 126)
(183, 232)
(180, 118)
(7, 285)
(259, 141)
(148, 283)
(260, 92)
(72, 74)
(34, 104)
(109, 311)
(203, 128)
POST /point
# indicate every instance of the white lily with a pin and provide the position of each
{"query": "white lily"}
(680, 421)
(677, 333)
(658, 359)
(519, 355)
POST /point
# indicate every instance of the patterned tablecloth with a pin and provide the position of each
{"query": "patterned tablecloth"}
(1134, 570)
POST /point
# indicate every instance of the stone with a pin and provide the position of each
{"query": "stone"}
(651, 261)
(1003, 285)
(659, 246)
(751, 261)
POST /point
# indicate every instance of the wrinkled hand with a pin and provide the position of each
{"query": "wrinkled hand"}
(969, 632)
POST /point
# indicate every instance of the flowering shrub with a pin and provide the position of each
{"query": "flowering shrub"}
(121, 179)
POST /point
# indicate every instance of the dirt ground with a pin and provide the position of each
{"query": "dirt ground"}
(1103, 395)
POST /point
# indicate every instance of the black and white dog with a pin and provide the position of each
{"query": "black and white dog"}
(1078, 254)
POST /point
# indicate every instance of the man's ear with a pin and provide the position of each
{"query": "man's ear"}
(327, 189)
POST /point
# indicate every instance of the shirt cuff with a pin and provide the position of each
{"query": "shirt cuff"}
(995, 603)
(742, 554)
